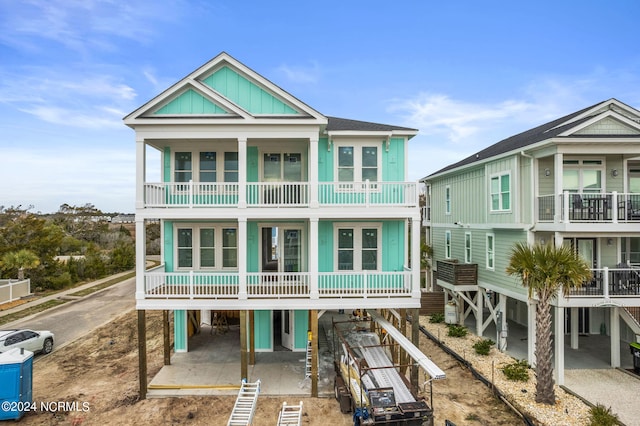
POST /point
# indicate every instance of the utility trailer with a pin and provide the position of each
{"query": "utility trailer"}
(369, 384)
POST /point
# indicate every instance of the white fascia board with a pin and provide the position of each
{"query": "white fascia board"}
(227, 130)
(278, 304)
(383, 134)
(250, 74)
(611, 113)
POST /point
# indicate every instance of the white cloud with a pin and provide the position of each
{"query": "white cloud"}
(301, 74)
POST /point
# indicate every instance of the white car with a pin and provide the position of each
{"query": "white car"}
(34, 341)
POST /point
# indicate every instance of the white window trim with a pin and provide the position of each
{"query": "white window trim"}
(218, 248)
(500, 207)
(357, 159)
(447, 244)
(447, 200)
(357, 244)
(195, 164)
(492, 251)
(468, 255)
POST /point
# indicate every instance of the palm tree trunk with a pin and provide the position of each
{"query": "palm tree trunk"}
(545, 392)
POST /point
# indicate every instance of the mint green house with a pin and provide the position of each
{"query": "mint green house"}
(573, 181)
(269, 208)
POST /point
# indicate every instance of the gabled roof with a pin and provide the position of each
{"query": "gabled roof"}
(346, 127)
(223, 89)
(567, 126)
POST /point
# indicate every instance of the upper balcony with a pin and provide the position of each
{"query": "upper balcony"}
(571, 207)
(280, 194)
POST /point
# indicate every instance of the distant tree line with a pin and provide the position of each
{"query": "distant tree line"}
(57, 250)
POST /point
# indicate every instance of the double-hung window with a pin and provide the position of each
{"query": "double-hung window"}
(203, 166)
(358, 247)
(183, 167)
(447, 200)
(447, 244)
(358, 163)
(490, 251)
(206, 247)
(467, 247)
(500, 192)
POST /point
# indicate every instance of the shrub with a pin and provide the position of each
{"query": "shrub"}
(436, 318)
(61, 281)
(483, 346)
(456, 330)
(517, 371)
(602, 416)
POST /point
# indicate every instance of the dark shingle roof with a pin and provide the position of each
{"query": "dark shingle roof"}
(521, 140)
(338, 124)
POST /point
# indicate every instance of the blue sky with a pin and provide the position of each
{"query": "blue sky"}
(465, 73)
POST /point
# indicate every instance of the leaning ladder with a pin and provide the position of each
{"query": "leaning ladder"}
(308, 363)
(290, 415)
(245, 405)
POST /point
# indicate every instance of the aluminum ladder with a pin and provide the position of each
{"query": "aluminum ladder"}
(308, 363)
(245, 406)
(290, 415)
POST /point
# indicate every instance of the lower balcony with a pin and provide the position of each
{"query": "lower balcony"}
(277, 286)
(452, 272)
(619, 282)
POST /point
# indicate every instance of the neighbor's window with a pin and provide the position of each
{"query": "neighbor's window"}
(467, 247)
(490, 251)
(501, 192)
(447, 200)
(447, 244)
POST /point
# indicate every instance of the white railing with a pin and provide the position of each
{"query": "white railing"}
(364, 284)
(368, 193)
(190, 194)
(280, 194)
(276, 285)
(11, 290)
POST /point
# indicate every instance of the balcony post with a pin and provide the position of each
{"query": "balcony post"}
(313, 172)
(242, 174)
(313, 258)
(415, 258)
(242, 258)
(614, 206)
(605, 282)
(367, 193)
(557, 189)
(565, 207)
(140, 172)
(140, 258)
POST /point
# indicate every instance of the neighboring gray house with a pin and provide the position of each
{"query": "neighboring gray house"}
(574, 181)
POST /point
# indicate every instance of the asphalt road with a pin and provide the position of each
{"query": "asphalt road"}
(74, 319)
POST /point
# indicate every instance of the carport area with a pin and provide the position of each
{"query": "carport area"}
(212, 366)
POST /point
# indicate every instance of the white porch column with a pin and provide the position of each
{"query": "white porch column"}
(614, 328)
(557, 187)
(242, 257)
(558, 351)
(531, 332)
(313, 258)
(242, 174)
(140, 258)
(313, 172)
(140, 171)
(502, 327)
(415, 258)
(479, 311)
(575, 329)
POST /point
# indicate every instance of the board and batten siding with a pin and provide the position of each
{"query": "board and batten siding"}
(468, 199)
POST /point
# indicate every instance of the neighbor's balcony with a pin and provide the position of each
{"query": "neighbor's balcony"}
(611, 283)
(612, 207)
(280, 194)
(282, 285)
(456, 273)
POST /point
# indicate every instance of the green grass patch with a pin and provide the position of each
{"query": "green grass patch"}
(30, 311)
(105, 284)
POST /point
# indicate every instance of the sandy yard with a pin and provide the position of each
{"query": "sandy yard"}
(100, 373)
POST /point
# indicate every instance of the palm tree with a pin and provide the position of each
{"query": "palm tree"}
(21, 260)
(544, 270)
